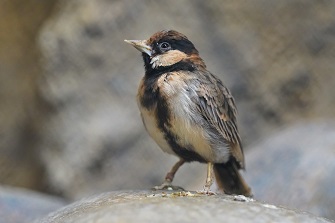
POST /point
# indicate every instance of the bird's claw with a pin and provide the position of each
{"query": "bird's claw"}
(168, 187)
(206, 191)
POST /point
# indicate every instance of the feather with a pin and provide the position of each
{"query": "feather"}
(217, 106)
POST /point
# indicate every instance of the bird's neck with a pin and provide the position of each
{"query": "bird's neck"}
(192, 63)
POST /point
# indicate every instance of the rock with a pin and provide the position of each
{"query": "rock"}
(24, 206)
(94, 140)
(69, 120)
(20, 108)
(148, 206)
(296, 168)
(274, 56)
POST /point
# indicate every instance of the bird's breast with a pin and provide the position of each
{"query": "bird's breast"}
(151, 124)
(173, 120)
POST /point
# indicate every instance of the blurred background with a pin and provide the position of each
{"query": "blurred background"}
(69, 123)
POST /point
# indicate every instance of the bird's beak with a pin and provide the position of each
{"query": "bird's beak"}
(141, 45)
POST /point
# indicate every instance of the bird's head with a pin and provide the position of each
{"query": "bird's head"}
(166, 49)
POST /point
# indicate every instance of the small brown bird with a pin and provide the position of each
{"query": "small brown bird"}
(188, 111)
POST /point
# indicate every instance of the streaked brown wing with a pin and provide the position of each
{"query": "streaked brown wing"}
(217, 106)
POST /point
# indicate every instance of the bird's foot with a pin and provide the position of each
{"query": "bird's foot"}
(206, 191)
(168, 186)
(209, 181)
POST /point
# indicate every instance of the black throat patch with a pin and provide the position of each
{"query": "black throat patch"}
(157, 71)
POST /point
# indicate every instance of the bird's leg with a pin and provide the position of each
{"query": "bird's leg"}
(209, 180)
(170, 176)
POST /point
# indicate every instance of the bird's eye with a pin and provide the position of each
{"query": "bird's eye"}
(164, 46)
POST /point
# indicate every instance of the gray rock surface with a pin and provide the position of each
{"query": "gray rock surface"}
(296, 168)
(19, 205)
(148, 206)
(20, 110)
(68, 117)
(276, 57)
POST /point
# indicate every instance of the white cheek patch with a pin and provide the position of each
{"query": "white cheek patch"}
(155, 62)
(167, 59)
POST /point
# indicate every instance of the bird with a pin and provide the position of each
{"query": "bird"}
(189, 112)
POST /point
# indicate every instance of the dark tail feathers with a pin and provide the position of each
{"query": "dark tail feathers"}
(230, 180)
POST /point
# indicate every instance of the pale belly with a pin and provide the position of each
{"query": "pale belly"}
(156, 134)
(189, 136)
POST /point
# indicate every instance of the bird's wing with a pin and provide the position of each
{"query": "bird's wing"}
(216, 104)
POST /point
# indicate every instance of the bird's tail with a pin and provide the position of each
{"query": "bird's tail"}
(230, 180)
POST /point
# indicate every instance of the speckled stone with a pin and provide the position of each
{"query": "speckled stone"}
(148, 206)
(295, 168)
(24, 206)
